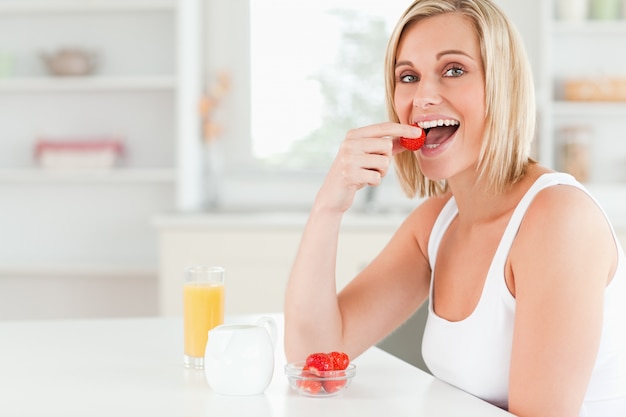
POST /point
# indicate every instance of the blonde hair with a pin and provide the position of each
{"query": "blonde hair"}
(509, 96)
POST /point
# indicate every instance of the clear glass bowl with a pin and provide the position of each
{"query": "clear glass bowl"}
(326, 384)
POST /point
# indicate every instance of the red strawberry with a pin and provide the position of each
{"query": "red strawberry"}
(334, 385)
(309, 385)
(413, 144)
(340, 360)
(318, 362)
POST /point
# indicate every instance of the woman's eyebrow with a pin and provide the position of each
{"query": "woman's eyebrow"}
(401, 63)
(453, 52)
(438, 56)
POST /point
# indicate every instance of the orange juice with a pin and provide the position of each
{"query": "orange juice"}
(203, 309)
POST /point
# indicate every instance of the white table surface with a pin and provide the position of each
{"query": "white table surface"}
(133, 367)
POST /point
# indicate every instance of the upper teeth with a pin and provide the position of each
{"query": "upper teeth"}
(435, 123)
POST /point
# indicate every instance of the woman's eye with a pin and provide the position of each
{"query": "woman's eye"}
(454, 72)
(408, 78)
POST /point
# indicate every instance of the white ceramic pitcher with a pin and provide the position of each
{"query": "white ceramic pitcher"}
(239, 358)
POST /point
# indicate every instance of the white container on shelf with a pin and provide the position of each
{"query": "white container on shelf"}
(572, 10)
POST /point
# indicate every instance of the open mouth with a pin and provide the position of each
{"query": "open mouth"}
(438, 131)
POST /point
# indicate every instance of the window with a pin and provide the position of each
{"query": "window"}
(316, 72)
(303, 73)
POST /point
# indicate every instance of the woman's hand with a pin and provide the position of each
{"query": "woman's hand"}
(363, 159)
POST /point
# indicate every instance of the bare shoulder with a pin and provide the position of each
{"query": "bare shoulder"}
(564, 226)
(565, 209)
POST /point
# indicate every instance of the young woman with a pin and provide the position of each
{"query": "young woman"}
(525, 278)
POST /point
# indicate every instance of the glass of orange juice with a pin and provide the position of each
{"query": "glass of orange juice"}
(203, 305)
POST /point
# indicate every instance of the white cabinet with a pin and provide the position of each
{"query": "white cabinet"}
(83, 222)
(582, 101)
(257, 251)
(131, 94)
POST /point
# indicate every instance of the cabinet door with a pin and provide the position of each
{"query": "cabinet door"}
(257, 263)
(356, 250)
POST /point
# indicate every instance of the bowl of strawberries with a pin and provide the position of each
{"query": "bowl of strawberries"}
(321, 374)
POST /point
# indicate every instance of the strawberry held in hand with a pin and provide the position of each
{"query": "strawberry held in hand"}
(413, 144)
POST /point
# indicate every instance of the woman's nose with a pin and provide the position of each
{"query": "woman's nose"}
(426, 94)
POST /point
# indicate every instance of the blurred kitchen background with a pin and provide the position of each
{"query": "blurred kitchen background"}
(139, 137)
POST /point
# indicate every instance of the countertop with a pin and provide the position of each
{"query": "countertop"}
(133, 367)
(274, 219)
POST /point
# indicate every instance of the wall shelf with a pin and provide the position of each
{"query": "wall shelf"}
(116, 175)
(87, 84)
(81, 271)
(590, 27)
(72, 6)
(588, 108)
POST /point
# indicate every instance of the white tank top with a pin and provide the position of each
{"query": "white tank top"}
(474, 354)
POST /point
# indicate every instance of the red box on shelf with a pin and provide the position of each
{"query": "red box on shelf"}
(79, 153)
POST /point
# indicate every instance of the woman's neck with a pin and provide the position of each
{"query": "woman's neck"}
(477, 203)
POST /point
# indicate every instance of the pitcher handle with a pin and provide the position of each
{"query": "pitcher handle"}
(270, 325)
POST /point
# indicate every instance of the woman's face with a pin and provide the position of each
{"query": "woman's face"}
(440, 82)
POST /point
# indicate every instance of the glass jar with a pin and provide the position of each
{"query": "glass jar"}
(574, 151)
(605, 9)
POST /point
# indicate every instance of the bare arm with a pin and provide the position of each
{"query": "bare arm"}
(561, 266)
(315, 317)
